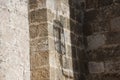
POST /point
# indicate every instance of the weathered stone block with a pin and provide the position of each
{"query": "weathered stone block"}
(115, 24)
(96, 67)
(113, 38)
(112, 67)
(39, 59)
(96, 41)
(39, 45)
(40, 74)
(37, 4)
(32, 4)
(39, 15)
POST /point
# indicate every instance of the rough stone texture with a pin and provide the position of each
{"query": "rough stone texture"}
(69, 39)
(96, 67)
(39, 40)
(14, 40)
(56, 38)
(102, 21)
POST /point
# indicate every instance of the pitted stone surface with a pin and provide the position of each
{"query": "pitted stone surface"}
(14, 40)
(96, 67)
(69, 39)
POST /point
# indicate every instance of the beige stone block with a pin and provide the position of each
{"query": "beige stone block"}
(41, 40)
(33, 4)
(39, 48)
(39, 45)
(39, 30)
(39, 59)
(40, 74)
(39, 15)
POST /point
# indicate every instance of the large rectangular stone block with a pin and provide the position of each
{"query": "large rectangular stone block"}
(96, 41)
(39, 59)
(34, 4)
(96, 67)
(115, 24)
(113, 37)
(41, 73)
(112, 67)
(105, 53)
(39, 16)
(39, 45)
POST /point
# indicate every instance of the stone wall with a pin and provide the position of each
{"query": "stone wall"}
(56, 41)
(74, 39)
(14, 40)
(69, 39)
(79, 60)
(102, 30)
